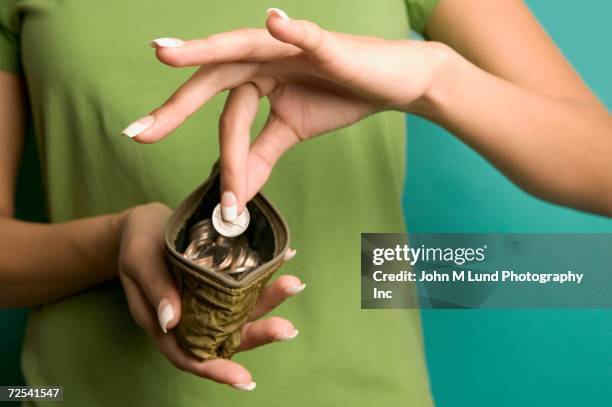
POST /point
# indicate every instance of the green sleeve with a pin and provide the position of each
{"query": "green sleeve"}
(419, 12)
(10, 59)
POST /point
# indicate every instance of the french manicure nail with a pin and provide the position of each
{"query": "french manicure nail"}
(278, 12)
(245, 387)
(167, 42)
(138, 126)
(165, 313)
(287, 337)
(229, 209)
(296, 289)
(289, 254)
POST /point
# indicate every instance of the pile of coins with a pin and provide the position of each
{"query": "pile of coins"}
(228, 255)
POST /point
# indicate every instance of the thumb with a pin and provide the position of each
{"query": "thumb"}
(317, 43)
(159, 289)
(163, 294)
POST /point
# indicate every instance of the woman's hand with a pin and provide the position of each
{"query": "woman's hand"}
(316, 81)
(156, 306)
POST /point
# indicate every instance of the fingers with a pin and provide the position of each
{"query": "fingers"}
(320, 45)
(274, 140)
(240, 45)
(231, 53)
(224, 371)
(139, 306)
(274, 294)
(289, 254)
(253, 334)
(219, 370)
(143, 266)
(201, 87)
(234, 128)
(274, 329)
(143, 289)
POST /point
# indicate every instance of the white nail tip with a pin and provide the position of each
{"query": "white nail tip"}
(296, 289)
(245, 387)
(168, 42)
(165, 315)
(278, 12)
(229, 213)
(138, 127)
(287, 337)
(289, 254)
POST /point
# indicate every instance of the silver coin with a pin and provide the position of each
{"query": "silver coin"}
(194, 249)
(218, 253)
(252, 259)
(240, 256)
(203, 229)
(240, 241)
(238, 270)
(206, 261)
(209, 257)
(225, 252)
(203, 225)
(221, 257)
(205, 238)
(224, 264)
(230, 229)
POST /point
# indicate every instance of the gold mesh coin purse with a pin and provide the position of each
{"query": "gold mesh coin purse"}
(215, 305)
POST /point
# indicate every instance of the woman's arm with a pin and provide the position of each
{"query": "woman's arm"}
(43, 262)
(520, 104)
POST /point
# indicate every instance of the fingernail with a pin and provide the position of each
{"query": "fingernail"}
(296, 289)
(165, 313)
(287, 337)
(245, 387)
(229, 209)
(167, 42)
(280, 13)
(138, 126)
(289, 254)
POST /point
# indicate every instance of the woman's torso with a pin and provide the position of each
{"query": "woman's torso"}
(90, 72)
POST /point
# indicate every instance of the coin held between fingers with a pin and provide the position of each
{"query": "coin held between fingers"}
(230, 229)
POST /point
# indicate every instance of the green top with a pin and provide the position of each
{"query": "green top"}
(90, 72)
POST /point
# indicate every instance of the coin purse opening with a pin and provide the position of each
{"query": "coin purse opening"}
(267, 232)
(259, 232)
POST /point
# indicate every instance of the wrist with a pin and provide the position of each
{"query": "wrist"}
(444, 66)
(116, 226)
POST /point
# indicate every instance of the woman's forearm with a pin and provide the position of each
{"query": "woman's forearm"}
(44, 262)
(557, 149)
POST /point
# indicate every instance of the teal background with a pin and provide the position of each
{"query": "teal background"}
(512, 357)
(476, 358)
